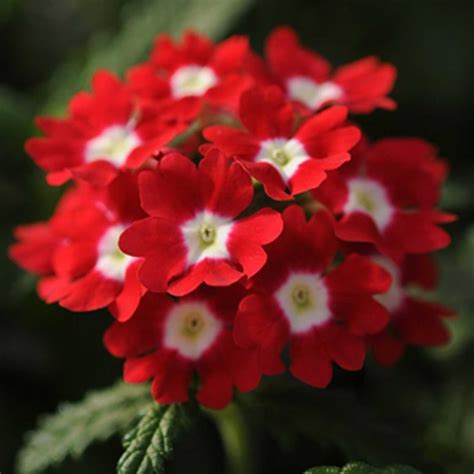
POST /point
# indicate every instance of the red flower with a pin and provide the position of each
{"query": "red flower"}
(413, 321)
(386, 196)
(169, 341)
(324, 316)
(308, 80)
(182, 77)
(192, 236)
(77, 252)
(105, 132)
(35, 249)
(284, 161)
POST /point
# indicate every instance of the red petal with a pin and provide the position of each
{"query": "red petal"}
(227, 187)
(309, 361)
(387, 350)
(347, 350)
(141, 369)
(98, 173)
(91, 292)
(209, 271)
(358, 274)
(141, 333)
(172, 383)
(128, 299)
(172, 191)
(230, 54)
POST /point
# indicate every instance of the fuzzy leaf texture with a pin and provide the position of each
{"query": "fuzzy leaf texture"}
(362, 468)
(100, 415)
(150, 443)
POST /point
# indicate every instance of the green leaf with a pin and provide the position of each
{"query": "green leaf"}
(75, 426)
(322, 416)
(150, 443)
(140, 25)
(324, 470)
(362, 468)
(236, 437)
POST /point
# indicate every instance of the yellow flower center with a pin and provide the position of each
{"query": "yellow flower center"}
(366, 201)
(301, 297)
(193, 325)
(207, 234)
(280, 157)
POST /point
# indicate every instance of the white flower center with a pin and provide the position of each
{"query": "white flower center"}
(304, 300)
(112, 262)
(205, 236)
(114, 144)
(285, 155)
(310, 93)
(192, 80)
(369, 197)
(394, 297)
(191, 329)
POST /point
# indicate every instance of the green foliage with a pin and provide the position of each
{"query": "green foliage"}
(140, 25)
(235, 436)
(358, 426)
(362, 468)
(75, 426)
(323, 470)
(150, 442)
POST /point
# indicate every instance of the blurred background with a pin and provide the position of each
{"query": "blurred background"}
(50, 48)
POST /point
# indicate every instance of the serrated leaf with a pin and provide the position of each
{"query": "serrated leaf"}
(75, 426)
(324, 470)
(362, 468)
(150, 443)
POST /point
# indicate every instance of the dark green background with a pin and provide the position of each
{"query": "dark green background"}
(48, 355)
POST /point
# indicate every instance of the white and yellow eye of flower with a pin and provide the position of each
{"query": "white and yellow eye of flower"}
(191, 328)
(206, 236)
(310, 93)
(112, 262)
(369, 197)
(192, 80)
(114, 145)
(304, 300)
(393, 298)
(286, 155)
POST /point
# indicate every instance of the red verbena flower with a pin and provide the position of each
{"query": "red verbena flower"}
(192, 235)
(309, 82)
(386, 196)
(170, 341)
(413, 321)
(105, 132)
(285, 161)
(77, 255)
(183, 77)
(323, 315)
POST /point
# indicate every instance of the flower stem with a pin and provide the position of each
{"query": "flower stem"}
(235, 437)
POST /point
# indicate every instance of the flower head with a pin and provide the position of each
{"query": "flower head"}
(182, 77)
(105, 132)
(309, 82)
(171, 223)
(323, 315)
(193, 235)
(76, 252)
(286, 161)
(386, 196)
(413, 320)
(170, 341)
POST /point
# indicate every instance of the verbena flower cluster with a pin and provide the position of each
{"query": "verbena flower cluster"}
(225, 209)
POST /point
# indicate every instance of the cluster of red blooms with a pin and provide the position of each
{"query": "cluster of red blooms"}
(223, 208)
